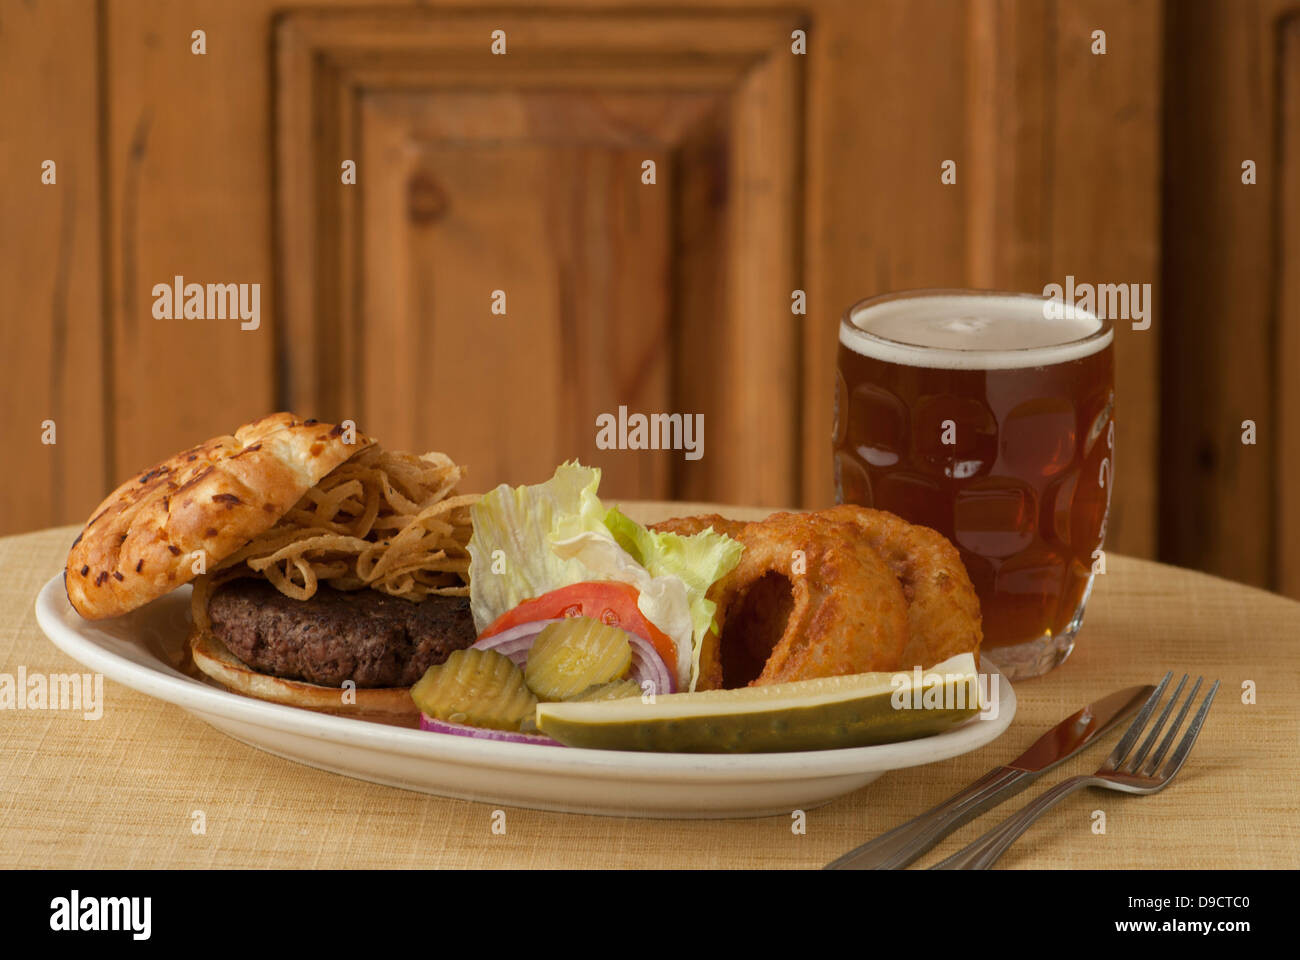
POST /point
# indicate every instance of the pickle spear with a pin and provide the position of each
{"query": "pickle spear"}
(822, 714)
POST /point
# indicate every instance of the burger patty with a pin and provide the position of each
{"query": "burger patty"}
(366, 636)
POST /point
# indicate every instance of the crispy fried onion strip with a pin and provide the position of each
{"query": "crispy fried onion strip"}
(384, 519)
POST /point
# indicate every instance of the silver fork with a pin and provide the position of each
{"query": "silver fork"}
(1128, 774)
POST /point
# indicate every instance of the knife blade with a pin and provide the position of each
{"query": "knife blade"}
(898, 847)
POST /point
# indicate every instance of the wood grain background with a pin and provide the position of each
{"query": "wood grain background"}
(522, 173)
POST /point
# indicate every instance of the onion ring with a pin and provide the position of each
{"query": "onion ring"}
(808, 599)
(943, 610)
(943, 613)
(689, 526)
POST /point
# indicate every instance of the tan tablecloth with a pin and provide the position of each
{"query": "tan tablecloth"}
(121, 791)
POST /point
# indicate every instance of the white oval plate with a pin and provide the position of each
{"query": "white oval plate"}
(133, 650)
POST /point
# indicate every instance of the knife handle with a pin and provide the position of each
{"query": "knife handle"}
(900, 846)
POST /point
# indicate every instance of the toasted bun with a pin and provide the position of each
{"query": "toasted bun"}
(215, 497)
(388, 704)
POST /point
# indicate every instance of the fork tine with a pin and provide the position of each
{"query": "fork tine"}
(1189, 738)
(1135, 728)
(1154, 763)
(1137, 758)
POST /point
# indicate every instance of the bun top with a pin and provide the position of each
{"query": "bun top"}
(215, 497)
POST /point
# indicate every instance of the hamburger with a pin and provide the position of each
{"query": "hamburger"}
(327, 572)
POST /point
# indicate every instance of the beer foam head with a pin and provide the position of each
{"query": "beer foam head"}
(973, 331)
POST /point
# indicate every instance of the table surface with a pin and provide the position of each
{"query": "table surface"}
(122, 791)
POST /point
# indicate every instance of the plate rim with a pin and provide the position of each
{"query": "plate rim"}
(67, 630)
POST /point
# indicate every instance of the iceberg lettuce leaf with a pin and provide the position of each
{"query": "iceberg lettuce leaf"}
(511, 559)
(698, 561)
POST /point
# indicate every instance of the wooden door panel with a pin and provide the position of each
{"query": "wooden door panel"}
(577, 244)
(523, 174)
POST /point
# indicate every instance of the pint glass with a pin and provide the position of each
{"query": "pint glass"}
(989, 417)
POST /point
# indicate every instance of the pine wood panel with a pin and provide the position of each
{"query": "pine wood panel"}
(50, 265)
(1287, 429)
(1010, 149)
(1229, 304)
(699, 309)
(569, 234)
(756, 447)
(571, 113)
(189, 194)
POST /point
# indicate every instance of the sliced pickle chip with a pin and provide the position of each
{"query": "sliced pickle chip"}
(482, 688)
(570, 656)
(618, 690)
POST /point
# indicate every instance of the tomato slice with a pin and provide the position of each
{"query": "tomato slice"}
(609, 601)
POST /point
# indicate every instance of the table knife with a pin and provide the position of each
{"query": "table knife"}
(900, 846)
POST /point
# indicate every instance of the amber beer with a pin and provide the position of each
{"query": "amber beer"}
(988, 417)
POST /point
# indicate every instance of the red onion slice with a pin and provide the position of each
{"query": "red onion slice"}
(483, 733)
(649, 667)
(515, 642)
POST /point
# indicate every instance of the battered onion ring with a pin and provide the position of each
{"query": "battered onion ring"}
(809, 598)
(943, 610)
(689, 526)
